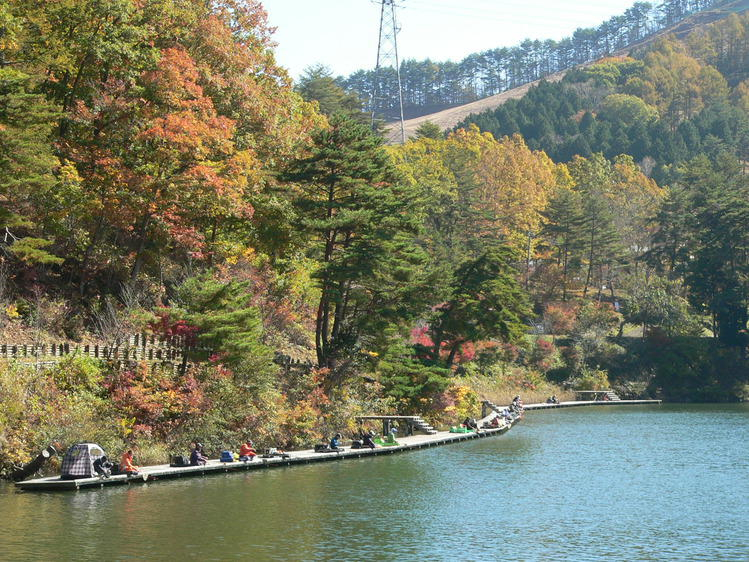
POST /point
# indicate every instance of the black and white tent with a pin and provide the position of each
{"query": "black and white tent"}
(78, 461)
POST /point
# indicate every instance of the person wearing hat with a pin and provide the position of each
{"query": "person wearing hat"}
(247, 452)
(197, 457)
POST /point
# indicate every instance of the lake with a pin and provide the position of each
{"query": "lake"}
(663, 482)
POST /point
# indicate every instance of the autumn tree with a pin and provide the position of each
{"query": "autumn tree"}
(172, 118)
(676, 83)
(514, 186)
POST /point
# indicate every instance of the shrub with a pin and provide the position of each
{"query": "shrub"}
(412, 385)
(591, 379)
(455, 404)
(560, 318)
(76, 373)
(543, 355)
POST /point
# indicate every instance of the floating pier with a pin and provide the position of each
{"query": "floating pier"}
(488, 407)
(162, 472)
(576, 403)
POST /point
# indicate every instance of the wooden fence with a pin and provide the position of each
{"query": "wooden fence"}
(138, 347)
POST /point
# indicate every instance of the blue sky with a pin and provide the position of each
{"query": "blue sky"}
(342, 34)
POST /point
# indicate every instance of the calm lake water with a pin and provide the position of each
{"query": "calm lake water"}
(625, 483)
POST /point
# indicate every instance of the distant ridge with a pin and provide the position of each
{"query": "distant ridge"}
(449, 118)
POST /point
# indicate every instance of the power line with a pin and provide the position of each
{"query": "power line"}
(500, 16)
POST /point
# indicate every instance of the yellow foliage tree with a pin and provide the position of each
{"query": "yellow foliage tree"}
(505, 184)
(676, 83)
(740, 95)
(514, 185)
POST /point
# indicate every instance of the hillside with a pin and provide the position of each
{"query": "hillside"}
(449, 118)
(160, 175)
(667, 103)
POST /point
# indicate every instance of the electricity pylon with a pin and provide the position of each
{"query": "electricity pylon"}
(387, 57)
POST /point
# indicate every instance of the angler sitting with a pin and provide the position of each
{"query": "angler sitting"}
(470, 423)
(335, 443)
(367, 439)
(103, 467)
(197, 458)
(126, 463)
(247, 452)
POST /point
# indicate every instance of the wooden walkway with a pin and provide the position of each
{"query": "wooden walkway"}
(576, 403)
(162, 472)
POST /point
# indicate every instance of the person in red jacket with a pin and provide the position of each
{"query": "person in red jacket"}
(247, 451)
(126, 463)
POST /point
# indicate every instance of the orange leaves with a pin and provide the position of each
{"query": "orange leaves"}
(190, 136)
(175, 80)
(179, 120)
(183, 118)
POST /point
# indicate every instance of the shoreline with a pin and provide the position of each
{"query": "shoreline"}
(409, 443)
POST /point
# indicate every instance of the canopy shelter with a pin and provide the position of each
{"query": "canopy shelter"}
(411, 423)
(78, 461)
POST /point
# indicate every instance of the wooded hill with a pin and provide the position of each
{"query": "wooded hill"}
(667, 103)
(430, 86)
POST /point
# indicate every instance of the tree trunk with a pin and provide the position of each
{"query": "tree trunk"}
(590, 264)
(142, 237)
(87, 254)
(321, 336)
(453, 353)
(565, 261)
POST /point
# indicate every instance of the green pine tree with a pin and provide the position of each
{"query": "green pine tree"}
(362, 222)
(227, 324)
(486, 302)
(317, 84)
(563, 230)
(27, 165)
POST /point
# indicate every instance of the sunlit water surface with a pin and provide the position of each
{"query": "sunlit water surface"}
(623, 483)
